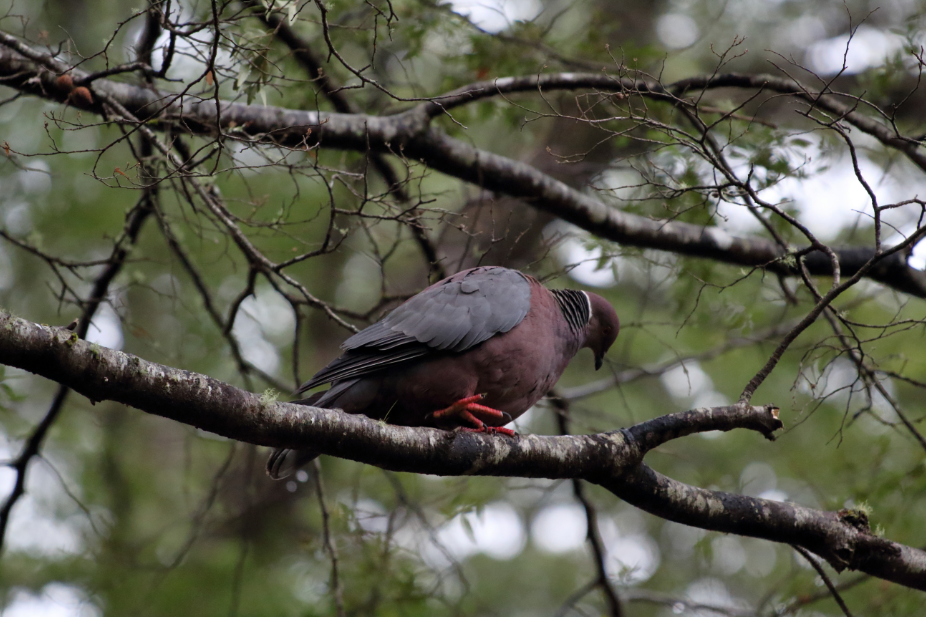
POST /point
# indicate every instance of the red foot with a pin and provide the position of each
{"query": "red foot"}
(465, 408)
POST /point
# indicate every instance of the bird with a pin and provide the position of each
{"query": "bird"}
(473, 352)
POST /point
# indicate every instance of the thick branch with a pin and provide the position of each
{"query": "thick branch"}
(408, 134)
(610, 459)
(835, 536)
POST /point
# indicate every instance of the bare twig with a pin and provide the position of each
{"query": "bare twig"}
(826, 579)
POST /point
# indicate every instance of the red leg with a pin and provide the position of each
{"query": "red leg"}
(466, 408)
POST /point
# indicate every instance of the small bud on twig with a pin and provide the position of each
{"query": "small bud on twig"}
(81, 96)
(65, 83)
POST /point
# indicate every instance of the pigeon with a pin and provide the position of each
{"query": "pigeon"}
(473, 352)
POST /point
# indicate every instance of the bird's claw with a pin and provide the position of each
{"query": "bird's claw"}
(467, 409)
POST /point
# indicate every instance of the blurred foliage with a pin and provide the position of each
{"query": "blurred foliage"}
(129, 514)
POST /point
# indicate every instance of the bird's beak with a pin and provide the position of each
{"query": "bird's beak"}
(598, 361)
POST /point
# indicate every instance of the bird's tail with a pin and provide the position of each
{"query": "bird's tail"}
(284, 461)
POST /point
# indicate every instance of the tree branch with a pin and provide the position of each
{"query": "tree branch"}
(835, 536)
(33, 446)
(409, 135)
(827, 100)
(611, 459)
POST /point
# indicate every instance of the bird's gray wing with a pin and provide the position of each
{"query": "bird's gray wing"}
(453, 315)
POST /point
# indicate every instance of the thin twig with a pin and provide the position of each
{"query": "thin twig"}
(330, 547)
(593, 534)
(826, 579)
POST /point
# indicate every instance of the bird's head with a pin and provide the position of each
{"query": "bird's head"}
(602, 328)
